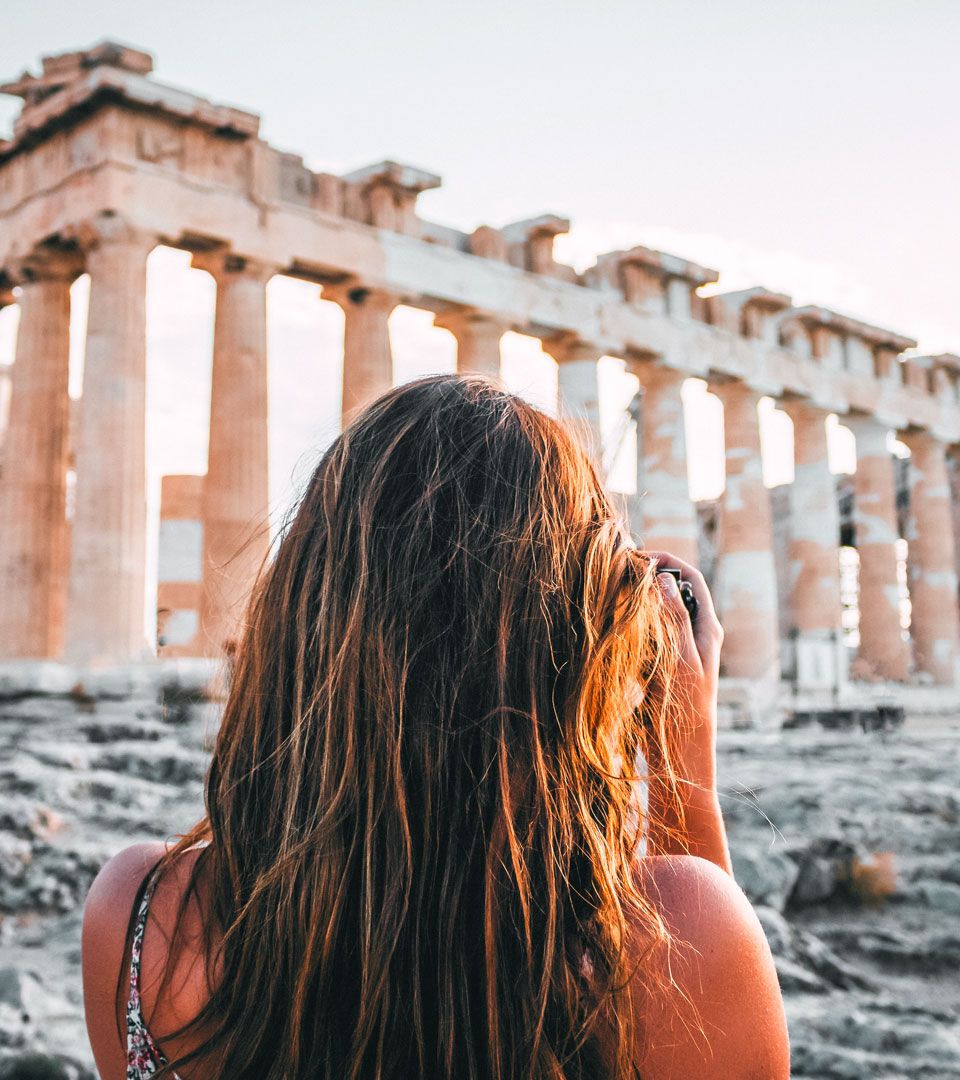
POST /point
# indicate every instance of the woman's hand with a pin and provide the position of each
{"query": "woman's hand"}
(703, 831)
(703, 634)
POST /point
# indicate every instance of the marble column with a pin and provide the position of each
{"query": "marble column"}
(932, 570)
(745, 585)
(579, 393)
(883, 653)
(478, 337)
(367, 356)
(814, 561)
(33, 523)
(106, 615)
(662, 514)
(236, 502)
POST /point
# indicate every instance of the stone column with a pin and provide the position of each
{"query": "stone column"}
(662, 514)
(814, 565)
(367, 356)
(105, 607)
(746, 577)
(478, 337)
(932, 571)
(579, 392)
(236, 502)
(33, 523)
(883, 653)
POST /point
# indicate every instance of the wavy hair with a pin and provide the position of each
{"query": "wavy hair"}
(422, 808)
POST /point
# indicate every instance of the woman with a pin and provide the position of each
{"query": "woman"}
(461, 816)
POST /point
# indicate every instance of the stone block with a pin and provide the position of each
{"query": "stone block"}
(765, 875)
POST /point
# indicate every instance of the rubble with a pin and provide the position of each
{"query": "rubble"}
(847, 842)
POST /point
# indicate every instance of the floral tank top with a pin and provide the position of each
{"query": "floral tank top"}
(144, 1058)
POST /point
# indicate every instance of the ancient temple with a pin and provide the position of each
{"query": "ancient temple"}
(105, 163)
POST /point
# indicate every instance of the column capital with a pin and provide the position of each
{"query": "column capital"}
(110, 230)
(462, 320)
(869, 431)
(488, 243)
(222, 265)
(44, 263)
(651, 369)
(567, 348)
(798, 408)
(918, 439)
(733, 389)
(351, 295)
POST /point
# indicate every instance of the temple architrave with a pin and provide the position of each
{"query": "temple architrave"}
(105, 163)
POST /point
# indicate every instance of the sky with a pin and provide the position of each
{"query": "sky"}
(806, 146)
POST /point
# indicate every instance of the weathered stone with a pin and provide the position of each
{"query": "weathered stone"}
(776, 929)
(43, 878)
(941, 895)
(934, 623)
(745, 589)
(478, 340)
(818, 957)
(33, 1066)
(823, 866)
(29, 678)
(21, 990)
(883, 654)
(662, 515)
(29, 820)
(796, 979)
(818, 657)
(766, 876)
(236, 503)
(848, 793)
(169, 766)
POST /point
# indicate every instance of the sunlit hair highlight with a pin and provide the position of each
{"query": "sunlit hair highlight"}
(423, 806)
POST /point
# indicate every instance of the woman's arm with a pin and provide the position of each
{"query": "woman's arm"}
(702, 831)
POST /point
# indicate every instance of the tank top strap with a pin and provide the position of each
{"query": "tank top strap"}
(144, 1057)
(136, 947)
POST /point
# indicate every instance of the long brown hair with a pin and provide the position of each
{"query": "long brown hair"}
(422, 804)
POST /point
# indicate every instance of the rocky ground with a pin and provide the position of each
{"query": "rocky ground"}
(847, 843)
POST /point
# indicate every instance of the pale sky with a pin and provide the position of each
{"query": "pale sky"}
(809, 147)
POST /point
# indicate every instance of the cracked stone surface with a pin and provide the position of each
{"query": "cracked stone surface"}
(847, 843)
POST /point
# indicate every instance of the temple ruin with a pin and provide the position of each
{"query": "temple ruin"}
(105, 164)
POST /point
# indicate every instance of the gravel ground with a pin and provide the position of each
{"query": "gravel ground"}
(847, 843)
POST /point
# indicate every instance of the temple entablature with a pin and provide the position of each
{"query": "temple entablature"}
(749, 312)
(653, 281)
(67, 71)
(842, 344)
(530, 245)
(945, 378)
(385, 195)
(70, 84)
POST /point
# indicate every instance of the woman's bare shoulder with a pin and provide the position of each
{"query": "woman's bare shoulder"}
(724, 1019)
(106, 917)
